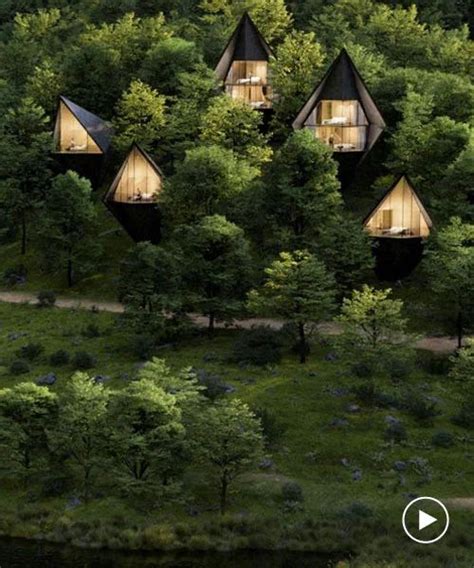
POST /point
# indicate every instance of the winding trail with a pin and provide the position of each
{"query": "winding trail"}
(434, 344)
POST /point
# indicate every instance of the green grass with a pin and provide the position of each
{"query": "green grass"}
(299, 396)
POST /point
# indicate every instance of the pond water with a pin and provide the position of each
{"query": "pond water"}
(15, 553)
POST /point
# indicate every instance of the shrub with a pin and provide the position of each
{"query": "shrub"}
(433, 363)
(443, 439)
(213, 384)
(292, 492)
(272, 428)
(399, 368)
(83, 361)
(366, 393)
(91, 331)
(258, 346)
(363, 370)
(30, 351)
(143, 347)
(421, 408)
(465, 416)
(19, 367)
(59, 357)
(396, 433)
(46, 299)
(356, 511)
(15, 275)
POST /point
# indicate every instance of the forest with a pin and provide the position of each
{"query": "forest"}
(242, 235)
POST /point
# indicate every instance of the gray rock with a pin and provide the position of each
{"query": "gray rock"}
(210, 357)
(345, 462)
(357, 475)
(266, 463)
(400, 466)
(337, 392)
(353, 408)
(72, 503)
(392, 421)
(101, 379)
(46, 380)
(339, 423)
(229, 389)
(330, 357)
(312, 374)
(14, 335)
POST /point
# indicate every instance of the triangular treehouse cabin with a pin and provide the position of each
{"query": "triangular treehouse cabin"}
(133, 194)
(244, 66)
(341, 113)
(399, 223)
(81, 139)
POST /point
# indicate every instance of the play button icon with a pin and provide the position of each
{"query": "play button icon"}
(425, 520)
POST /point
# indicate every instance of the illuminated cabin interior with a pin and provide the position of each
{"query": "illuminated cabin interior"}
(138, 181)
(132, 197)
(78, 131)
(400, 214)
(244, 66)
(340, 111)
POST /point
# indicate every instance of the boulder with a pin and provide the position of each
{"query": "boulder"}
(46, 380)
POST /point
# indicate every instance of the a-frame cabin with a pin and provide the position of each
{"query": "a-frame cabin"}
(399, 224)
(133, 194)
(81, 139)
(341, 112)
(243, 66)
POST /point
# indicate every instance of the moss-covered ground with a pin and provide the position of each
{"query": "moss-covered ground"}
(337, 454)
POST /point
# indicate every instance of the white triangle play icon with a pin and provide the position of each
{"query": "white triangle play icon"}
(425, 520)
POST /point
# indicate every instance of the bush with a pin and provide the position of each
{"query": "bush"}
(213, 384)
(465, 416)
(15, 275)
(433, 363)
(259, 346)
(399, 368)
(421, 408)
(366, 393)
(396, 433)
(272, 428)
(30, 352)
(443, 439)
(59, 357)
(91, 331)
(143, 347)
(83, 361)
(292, 492)
(19, 367)
(363, 370)
(46, 299)
(356, 511)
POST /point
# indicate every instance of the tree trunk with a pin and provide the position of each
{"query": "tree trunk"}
(302, 343)
(23, 234)
(70, 274)
(211, 325)
(224, 486)
(460, 328)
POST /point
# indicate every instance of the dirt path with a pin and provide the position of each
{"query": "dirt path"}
(434, 344)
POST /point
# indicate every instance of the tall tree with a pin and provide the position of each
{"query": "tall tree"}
(450, 265)
(232, 124)
(24, 163)
(26, 411)
(295, 70)
(299, 289)
(219, 267)
(207, 182)
(230, 441)
(67, 217)
(147, 436)
(140, 117)
(80, 432)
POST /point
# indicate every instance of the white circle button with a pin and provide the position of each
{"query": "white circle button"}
(437, 516)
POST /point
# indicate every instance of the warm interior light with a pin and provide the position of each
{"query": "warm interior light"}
(399, 215)
(70, 136)
(139, 182)
(248, 81)
(341, 124)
